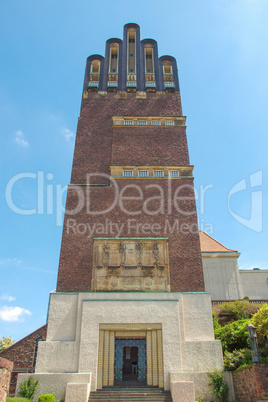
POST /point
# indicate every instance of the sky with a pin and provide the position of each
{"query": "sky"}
(221, 51)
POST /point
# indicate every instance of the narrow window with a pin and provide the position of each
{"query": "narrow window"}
(131, 51)
(156, 123)
(114, 58)
(142, 123)
(149, 64)
(167, 67)
(95, 67)
(158, 173)
(143, 173)
(94, 74)
(127, 173)
(128, 122)
(173, 173)
(169, 123)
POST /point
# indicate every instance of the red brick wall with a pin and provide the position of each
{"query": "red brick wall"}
(94, 139)
(76, 258)
(5, 369)
(251, 383)
(22, 353)
(98, 145)
(150, 146)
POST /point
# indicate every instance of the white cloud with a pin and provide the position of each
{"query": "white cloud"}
(19, 139)
(8, 261)
(68, 134)
(8, 298)
(12, 314)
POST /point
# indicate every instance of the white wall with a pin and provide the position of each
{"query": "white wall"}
(255, 283)
(221, 275)
(224, 280)
(188, 338)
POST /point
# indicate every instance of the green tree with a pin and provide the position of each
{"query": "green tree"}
(5, 342)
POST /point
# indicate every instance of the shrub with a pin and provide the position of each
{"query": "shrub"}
(233, 360)
(28, 387)
(47, 398)
(237, 310)
(234, 335)
(218, 385)
(260, 320)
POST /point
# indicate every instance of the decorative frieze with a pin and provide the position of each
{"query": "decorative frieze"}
(130, 264)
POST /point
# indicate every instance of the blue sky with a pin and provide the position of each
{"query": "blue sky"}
(221, 50)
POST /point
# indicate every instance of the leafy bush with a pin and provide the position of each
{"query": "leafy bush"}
(233, 360)
(237, 310)
(28, 387)
(260, 320)
(218, 385)
(47, 398)
(234, 335)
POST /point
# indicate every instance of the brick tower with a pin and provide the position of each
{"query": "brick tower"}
(130, 300)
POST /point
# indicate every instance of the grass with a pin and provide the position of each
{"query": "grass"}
(9, 399)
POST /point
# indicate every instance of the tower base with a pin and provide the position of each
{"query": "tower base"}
(96, 339)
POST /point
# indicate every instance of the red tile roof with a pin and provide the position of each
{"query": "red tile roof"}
(210, 245)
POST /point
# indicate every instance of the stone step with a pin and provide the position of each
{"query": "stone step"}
(131, 394)
(153, 398)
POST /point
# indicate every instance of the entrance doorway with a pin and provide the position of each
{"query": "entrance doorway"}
(130, 360)
(147, 338)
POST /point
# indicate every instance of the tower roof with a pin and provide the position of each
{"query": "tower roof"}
(131, 64)
(210, 245)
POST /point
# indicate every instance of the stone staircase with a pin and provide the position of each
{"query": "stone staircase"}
(130, 394)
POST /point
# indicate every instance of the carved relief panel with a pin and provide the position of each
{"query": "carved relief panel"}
(130, 265)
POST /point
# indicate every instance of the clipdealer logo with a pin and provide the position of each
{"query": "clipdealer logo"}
(152, 200)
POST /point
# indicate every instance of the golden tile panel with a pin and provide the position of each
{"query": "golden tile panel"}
(149, 358)
(154, 359)
(106, 358)
(111, 358)
(100, 360)
(160, 359)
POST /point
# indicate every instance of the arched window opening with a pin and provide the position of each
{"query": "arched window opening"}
(94, 74)
(114, 58)
(113, 67)
(131, 57)
(95, 67)
(168, 75)
(167, 68)
(149, 67)
(149, 62)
